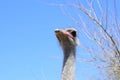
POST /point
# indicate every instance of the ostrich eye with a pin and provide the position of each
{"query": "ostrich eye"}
(73, 33)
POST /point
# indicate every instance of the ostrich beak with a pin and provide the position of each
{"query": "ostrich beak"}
(67, 34)
(58, 31)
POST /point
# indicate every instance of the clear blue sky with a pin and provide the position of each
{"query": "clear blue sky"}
(29, 49)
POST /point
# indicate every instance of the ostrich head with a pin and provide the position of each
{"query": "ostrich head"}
(67, 37)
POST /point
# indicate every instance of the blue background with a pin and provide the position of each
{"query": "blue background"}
(29, 49)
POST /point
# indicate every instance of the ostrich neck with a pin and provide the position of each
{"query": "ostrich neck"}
(68, 63)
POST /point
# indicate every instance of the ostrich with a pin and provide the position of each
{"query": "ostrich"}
(68, 41)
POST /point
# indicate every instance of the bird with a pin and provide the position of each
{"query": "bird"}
(68, 41)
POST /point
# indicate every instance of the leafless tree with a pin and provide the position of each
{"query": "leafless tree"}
(99, 21)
